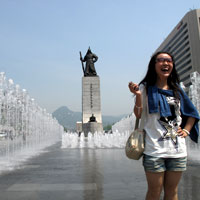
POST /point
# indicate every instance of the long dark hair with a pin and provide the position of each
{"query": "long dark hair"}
(151, 76)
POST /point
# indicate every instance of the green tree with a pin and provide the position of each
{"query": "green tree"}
(107, 127)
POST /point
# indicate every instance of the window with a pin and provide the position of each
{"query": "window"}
(175, 36)
(181, 48)
(182, 54)
(185, 78)
(184, 71)
(183, 59)
(181, 42)
(183, 65)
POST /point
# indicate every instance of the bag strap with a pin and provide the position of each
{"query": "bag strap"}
(144, 111)
(137, 123)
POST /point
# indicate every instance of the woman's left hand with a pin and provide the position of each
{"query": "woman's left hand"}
(182, 133)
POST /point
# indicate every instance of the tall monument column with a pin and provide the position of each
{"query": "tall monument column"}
(91, 99)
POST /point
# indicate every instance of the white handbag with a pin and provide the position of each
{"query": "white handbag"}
(135, 144)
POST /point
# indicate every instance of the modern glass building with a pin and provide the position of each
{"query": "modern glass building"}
(184, 43)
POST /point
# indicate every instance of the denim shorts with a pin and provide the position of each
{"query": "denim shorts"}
(156, 164)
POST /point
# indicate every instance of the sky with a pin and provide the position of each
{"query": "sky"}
(40, 42)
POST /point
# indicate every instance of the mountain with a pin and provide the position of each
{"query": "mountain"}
(68, 118)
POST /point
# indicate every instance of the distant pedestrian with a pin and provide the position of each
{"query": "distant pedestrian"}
(170, 118)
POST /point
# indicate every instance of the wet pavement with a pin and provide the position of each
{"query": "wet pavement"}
(86, 174)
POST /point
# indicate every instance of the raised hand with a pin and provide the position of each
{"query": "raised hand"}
(134, 88)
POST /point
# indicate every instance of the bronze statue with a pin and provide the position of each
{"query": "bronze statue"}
(90, 58)
(92, 118)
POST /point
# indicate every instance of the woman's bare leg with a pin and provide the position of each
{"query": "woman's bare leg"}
(155, 185)
(171, 181)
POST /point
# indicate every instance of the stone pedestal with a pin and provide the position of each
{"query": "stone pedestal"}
(92, 127)
(91, 104)
(79, 127)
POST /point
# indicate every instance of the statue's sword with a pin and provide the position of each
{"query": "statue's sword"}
(82, 63)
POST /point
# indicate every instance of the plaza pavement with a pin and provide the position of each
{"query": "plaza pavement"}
(86, 174)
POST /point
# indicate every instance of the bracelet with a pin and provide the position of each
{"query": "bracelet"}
(138, 106)
(186, 131)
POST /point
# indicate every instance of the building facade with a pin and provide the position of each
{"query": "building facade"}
(184, 44)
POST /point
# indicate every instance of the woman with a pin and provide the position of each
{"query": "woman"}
(170, 118)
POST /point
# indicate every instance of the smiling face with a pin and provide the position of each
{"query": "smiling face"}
(163, 66)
